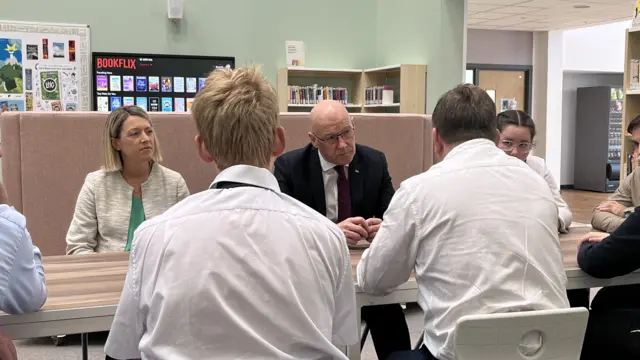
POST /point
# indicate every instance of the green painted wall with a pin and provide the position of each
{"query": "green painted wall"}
(424, 32)
(337, 33)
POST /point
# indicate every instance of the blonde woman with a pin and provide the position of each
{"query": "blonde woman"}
(130, 188)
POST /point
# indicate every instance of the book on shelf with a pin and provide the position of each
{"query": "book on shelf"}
(634, 74)
(373, 95)
(313, 94)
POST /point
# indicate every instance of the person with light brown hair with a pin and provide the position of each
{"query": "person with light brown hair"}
(240, 270)
(130, 188)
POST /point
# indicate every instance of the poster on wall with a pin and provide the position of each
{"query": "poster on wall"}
(44, 67)
(164, 83)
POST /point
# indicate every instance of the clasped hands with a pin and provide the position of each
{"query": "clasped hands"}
(357, 228)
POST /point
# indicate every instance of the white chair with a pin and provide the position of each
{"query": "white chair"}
(527, 335)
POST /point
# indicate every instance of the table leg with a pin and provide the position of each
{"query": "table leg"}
(353, 351)
(84, 340)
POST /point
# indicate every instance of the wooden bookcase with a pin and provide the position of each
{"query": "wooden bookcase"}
(631, 103)
(408, 82)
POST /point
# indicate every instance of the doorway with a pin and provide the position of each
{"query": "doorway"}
(509, 86)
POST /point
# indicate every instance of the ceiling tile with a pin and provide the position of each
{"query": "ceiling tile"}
(503, 22)
(474, 8)
(516, 10)
(487, 16)
(475, 21)
(542, 15)
(499, 2)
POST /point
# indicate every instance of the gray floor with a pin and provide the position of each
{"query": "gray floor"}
(39, 349)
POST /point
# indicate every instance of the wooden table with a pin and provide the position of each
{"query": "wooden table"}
(84, 291)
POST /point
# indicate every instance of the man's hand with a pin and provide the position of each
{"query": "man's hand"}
(374, 226)
(592, 237)
(354, 229)
(613, 207)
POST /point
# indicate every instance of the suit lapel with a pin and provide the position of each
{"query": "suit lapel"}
(317, 182)
(356, 183)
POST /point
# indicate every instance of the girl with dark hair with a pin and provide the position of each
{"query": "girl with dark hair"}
(517, 132)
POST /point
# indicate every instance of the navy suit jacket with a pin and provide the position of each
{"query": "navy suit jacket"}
(616, 255)
(299, 174)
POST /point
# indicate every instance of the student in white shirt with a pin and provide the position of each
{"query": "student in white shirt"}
(477, 229)
(517, 131)
(241, 271)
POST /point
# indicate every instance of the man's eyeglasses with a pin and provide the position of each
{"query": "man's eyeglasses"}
(333, 139)
(508, 145)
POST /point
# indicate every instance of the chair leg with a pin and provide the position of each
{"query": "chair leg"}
(84, 340)
(363, 339)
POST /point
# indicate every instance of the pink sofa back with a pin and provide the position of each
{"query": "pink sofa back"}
(48, 155)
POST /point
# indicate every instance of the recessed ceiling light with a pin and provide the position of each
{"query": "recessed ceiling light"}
(581, 6)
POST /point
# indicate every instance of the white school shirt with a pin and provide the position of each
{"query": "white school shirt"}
(564, 213)
(241, 273)
(480, 232)
(330, 181)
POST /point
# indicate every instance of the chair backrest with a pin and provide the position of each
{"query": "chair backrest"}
(540, 335)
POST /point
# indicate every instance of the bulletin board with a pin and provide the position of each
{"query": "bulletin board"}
(44, 67)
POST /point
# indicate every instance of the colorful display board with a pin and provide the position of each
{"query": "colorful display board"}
(44, 67)
(165, 83)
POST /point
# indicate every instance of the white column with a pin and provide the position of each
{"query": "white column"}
(547, 97)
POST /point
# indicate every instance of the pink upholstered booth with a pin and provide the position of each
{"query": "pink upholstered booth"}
(47, 156)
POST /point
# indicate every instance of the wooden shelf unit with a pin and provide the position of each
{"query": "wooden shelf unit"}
(631, 102)
(408, 81)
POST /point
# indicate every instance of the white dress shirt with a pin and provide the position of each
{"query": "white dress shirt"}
(564, 213)
(330, 180)
(240, 273)
(479, 231)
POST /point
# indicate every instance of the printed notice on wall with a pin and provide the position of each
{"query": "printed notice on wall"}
(44, 67)
(295, 53)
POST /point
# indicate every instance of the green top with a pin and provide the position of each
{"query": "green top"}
(137, 217)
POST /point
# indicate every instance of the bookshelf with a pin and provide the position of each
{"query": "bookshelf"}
(631, 102)
(296, 86)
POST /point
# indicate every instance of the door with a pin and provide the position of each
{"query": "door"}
(506, 86)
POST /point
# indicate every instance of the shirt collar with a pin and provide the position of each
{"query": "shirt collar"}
(326, 166)
(470, 144)
(248, 174)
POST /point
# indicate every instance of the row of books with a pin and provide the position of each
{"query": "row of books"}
(374, 94)
(309, 95)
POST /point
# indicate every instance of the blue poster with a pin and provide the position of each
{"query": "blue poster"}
(141, 83)
(167, 104)
(116, 102)
(141, 102)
